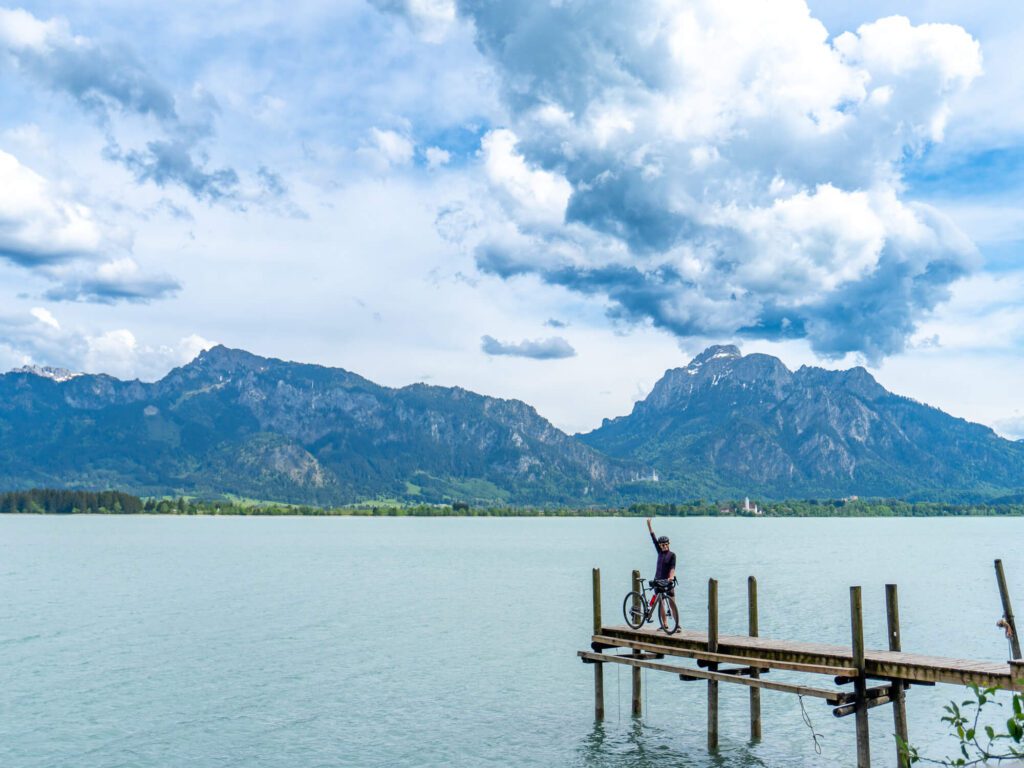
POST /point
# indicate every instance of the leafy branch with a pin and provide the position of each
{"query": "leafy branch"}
(978, 745)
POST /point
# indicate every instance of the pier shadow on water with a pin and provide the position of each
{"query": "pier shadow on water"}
(633, 743)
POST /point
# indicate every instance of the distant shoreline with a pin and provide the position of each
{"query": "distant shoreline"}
(527, 514)
(64, 502)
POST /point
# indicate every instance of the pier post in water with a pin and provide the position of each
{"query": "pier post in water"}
(752, 630)
(598, 668)
(637, 692)
(860, 683)
(712, 648)
(899, 696)
(1004, 595)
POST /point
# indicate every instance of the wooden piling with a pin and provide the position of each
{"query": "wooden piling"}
(752, 630)
(1017, 674)
(637, 672)
(899, 696)
(712, 648)
(1004, 595)
(598, 668)
(860, 683)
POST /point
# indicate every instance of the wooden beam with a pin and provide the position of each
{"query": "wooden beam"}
(849, 697)
(752, 631)
(712, 666)
(899, 698)
(842, 680)
(1004, 596)
(724, 658)
(880, 664)
(860, 706)
(851, 709)
(832, 697)
(601, 658)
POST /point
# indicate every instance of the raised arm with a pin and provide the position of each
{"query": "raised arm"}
(653, 537)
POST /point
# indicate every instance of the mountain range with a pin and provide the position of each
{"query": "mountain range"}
(726, 425)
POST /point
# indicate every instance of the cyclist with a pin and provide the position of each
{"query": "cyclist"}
(666, 568)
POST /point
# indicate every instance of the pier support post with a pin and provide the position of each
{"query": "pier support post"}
(899, 696)
(752, 630)
(860, 683)
(637, 692)
(1004, 595)
(598, 668)
(712, 648)
(1017, 675)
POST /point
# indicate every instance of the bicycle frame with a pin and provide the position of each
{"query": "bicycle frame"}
(649, 605)
(653, 605)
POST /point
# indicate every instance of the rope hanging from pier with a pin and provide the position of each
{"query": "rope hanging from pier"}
(807, 721)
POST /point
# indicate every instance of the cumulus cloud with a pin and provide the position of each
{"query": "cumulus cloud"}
(109, 81)
(555, 348)
(60, 239)
(38, 224)
(38, 338)
(535, 197)
(436, 157)
(723, 168)
(388, 149)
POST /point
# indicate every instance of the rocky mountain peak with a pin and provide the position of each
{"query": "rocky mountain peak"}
(225, 358)
(48, 372)
(214, 365)
(855, 380)
(720, 367)
(716, 352)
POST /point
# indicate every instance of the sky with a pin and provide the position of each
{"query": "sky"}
(554, 201)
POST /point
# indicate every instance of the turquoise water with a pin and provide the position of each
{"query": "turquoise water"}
(166, 641)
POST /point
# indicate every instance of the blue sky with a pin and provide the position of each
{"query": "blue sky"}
(552, 201)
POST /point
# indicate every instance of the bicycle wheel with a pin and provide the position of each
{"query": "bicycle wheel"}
(670, 622)
(633, 609)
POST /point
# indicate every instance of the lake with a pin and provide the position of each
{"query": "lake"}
(219, 641)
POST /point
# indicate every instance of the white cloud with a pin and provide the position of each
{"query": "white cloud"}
(535, 196)
(908, 65)
(45, 317)
(389, 148)
(37, 338)
(39, 225)
(20, 30)
(745, 170)
(437, 157)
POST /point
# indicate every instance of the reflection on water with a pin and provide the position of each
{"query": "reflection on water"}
(634, 744)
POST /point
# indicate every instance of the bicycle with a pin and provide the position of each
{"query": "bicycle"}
(638, 609)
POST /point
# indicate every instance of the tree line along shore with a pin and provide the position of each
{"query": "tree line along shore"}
(64, 502)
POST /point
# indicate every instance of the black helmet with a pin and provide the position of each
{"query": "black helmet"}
(663, 539)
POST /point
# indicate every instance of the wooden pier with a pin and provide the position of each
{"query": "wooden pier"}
(877, 677)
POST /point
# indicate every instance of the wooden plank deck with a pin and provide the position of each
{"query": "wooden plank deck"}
(880, 664)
